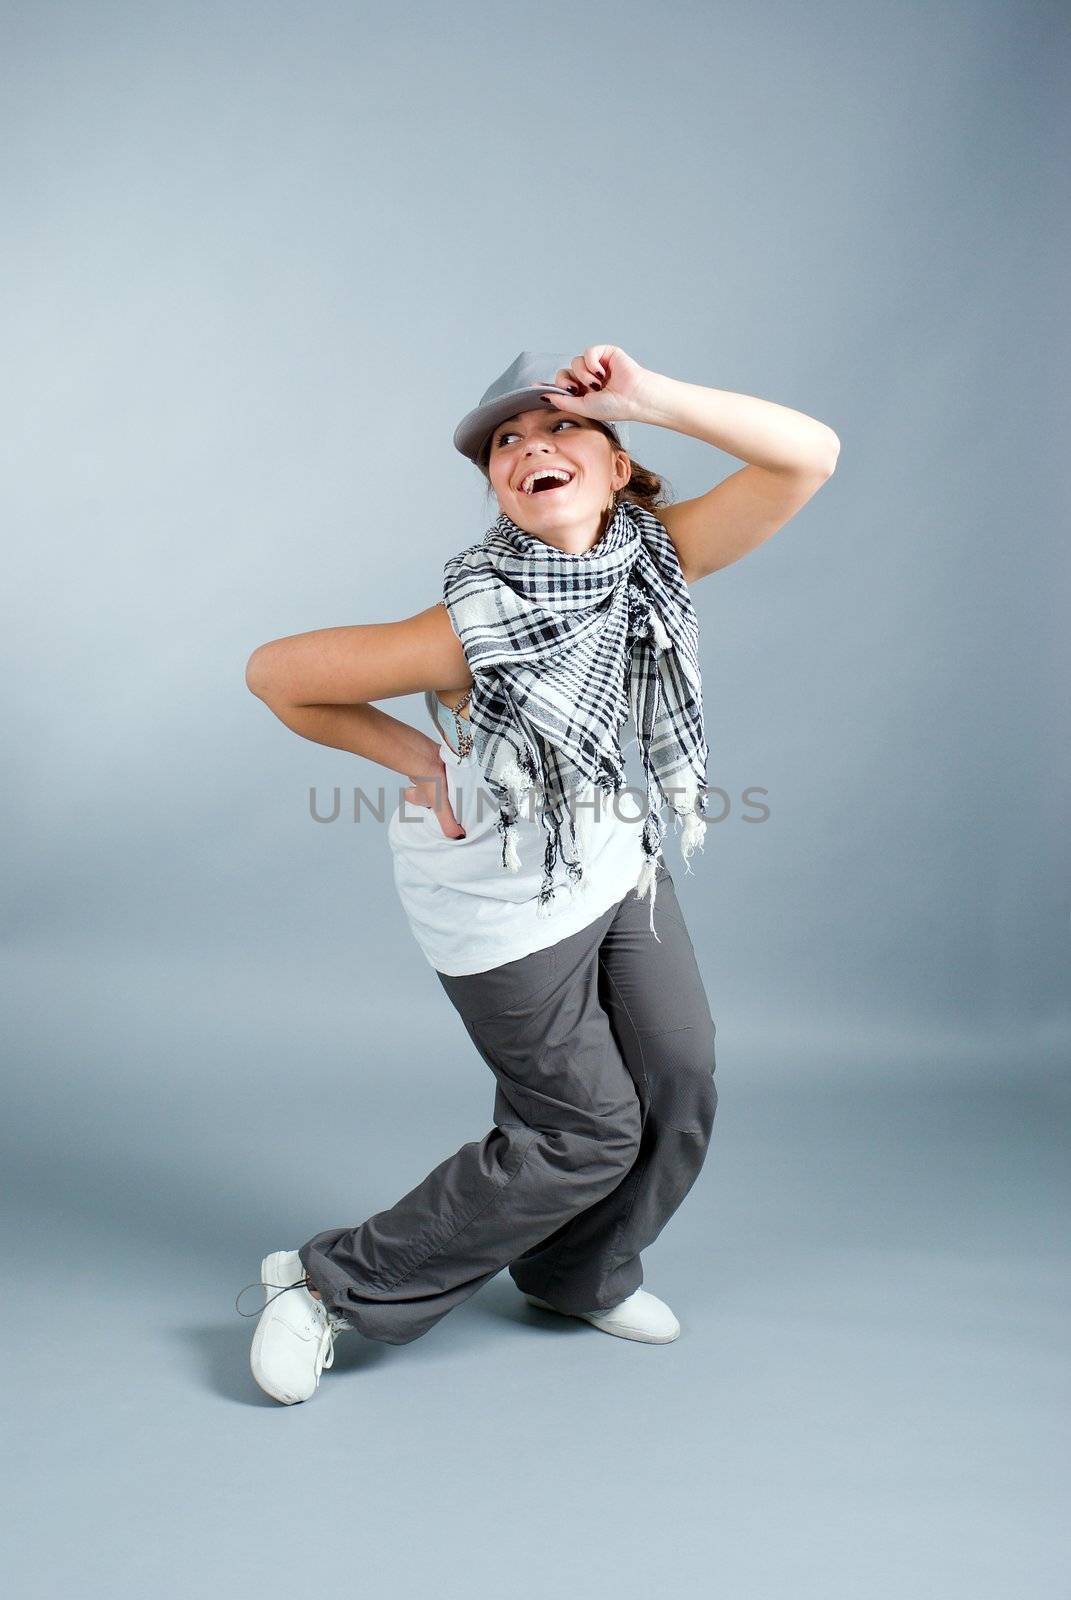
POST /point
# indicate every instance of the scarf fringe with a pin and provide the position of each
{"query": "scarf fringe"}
(577, 878)
(516, 782)
(692, 833)
(647, 884)
(661, 637)
(693, 830)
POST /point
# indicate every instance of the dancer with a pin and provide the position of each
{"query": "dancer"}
(534, 885)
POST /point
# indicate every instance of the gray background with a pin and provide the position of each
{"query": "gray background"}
(258, 261)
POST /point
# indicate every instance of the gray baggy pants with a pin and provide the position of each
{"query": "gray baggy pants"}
(602, 1048)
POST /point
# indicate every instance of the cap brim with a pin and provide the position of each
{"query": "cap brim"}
(471, 432)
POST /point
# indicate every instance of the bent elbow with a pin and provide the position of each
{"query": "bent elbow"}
(258, 672)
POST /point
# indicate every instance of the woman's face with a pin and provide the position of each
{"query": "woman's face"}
(569, 515)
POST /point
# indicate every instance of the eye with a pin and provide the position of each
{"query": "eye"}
(570, 420)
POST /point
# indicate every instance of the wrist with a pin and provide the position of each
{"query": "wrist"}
(431, 765)
(658, 401)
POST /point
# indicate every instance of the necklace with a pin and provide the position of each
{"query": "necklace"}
(464, 737)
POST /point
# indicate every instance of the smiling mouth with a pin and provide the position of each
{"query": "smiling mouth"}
(547, 485)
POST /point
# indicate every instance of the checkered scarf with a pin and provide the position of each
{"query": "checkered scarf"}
(562, 648)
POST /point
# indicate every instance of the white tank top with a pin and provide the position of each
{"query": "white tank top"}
(467, 911)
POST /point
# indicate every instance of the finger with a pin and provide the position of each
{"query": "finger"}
(604, 355)
(450, 825)
(566, 379)
(593, 360)
(587, 372)
(565, 403)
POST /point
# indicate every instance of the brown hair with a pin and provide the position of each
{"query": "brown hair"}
(645, 488)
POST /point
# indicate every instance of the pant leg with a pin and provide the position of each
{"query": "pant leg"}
(654, 998)
(567, 1131)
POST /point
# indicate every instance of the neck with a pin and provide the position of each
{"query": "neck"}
(571, 541)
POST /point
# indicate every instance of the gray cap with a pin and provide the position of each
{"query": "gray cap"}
(511, 393)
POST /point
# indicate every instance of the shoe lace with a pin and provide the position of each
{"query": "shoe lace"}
(332, 1322)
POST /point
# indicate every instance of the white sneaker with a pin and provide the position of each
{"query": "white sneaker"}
(642, 1316)
(295, 1338)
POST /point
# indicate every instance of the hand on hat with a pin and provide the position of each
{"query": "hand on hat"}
(611, 385)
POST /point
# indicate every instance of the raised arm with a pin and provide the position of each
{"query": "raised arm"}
(789, 454)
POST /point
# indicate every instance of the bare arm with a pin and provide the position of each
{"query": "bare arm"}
(351, 666)
(320, 684)
(364, 731)
(791, 456)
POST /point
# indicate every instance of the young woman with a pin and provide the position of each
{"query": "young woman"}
(538, 896)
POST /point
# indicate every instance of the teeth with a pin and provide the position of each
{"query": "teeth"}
(544, 472)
